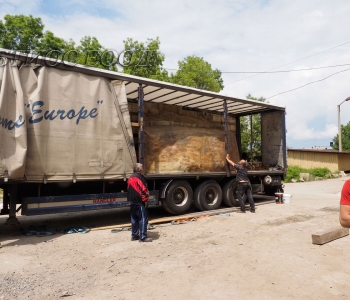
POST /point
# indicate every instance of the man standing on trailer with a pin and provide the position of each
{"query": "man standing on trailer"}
(344, 213)
(243, 184)
(138, 196)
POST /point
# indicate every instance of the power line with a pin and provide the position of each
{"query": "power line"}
(308, 83)
(286, 71)
(267, 72)
(290, 62)
(298, 70)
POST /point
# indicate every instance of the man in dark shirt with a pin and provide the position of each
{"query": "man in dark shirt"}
(138, 196)
(243, 184)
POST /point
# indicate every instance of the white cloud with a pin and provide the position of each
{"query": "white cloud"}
(16, 7)
(245, 35)
(302, 132)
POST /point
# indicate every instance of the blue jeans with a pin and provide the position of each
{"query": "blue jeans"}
(139, 221)
(244, 187)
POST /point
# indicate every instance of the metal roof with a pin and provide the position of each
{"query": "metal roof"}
(157, 91)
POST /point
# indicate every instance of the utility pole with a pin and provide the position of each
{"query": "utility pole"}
(339, 126)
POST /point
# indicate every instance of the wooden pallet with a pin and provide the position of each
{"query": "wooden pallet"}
(186, 216)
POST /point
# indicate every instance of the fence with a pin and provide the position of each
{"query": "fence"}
(312, 158)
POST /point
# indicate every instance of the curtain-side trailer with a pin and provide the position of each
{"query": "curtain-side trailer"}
(70, 135)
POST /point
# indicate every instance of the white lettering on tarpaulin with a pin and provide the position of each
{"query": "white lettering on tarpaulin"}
(37, 115)
(107, 200)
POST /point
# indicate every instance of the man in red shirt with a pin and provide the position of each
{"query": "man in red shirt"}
(138, 196)
(344, 213)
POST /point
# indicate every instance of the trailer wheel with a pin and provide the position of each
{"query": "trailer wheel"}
(208, 195)
(178, 197)
(230, 196)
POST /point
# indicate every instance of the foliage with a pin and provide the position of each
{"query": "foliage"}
(25, 34)
(51, 46)
(144, 59)
(91, 53)
(2, 32)
(319, 172)
(50, 41)
(293, 172)
(20, 32)
(194, 71)
(345, 138)
(251, 132)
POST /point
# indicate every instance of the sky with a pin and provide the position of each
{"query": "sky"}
(233, 36)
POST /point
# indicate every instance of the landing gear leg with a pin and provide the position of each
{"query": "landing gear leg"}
(12, 220)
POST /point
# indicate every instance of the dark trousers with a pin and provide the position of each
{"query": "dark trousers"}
(244, 187)
(139, 221)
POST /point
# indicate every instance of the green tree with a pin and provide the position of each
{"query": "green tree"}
(345, 138)
(20, 32)
(51, 46)
(251, 132)
(70, 51)
(144, 59)
(25, 33)
(194, 71)
(57, 48)
(2, 32)
(91, 53)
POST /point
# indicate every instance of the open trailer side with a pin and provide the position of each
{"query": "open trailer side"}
(70, 135)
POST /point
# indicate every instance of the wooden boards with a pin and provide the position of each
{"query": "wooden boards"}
(323, 237)
(179, 141)
(175, 218)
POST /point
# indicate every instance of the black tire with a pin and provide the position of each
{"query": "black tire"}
(208, 195)
(196, 198)
(229, 192)
(178, 197)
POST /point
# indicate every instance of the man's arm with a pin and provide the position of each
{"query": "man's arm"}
(144, 191)
(230, 161)
(344, 216)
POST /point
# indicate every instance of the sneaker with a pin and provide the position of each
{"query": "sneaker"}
(240, 211)
(146, 240)
(252, 210)
(135, 238)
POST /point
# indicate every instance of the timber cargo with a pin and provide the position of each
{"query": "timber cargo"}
(70, 135)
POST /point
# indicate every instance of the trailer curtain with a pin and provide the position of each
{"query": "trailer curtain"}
(13, 134)
(73, 127)
(60, 125)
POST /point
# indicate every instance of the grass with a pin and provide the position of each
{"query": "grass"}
(294, 173)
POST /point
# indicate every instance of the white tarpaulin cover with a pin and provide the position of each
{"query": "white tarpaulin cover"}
(13, 134)
(71, 124)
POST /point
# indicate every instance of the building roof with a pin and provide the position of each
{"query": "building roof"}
(319, 151)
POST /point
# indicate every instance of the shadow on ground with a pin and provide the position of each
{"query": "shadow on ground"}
(57, 223)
